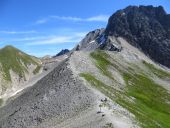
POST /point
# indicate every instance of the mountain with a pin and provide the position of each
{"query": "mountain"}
(63, 52)
(146, 27)
(107, 81)
(16, 68)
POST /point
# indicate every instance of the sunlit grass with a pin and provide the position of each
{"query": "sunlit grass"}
(159, 72)
(150, 100)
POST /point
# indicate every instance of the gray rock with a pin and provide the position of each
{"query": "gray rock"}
(146, 27)
(90, 40)
(98, 39)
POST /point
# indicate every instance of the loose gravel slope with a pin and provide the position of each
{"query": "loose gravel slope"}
(56, 97)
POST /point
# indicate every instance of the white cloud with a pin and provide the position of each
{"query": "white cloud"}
(50, 18)
(75, 37)
(70, 36)
(66, 18)
(17, 32)
(101, 18)
(42, 21)
(26, 39)
(98, 18)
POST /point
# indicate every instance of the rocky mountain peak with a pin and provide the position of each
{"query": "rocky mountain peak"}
(135, 14)
(146, 27)
(147, 10)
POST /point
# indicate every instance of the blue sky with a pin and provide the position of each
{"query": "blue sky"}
(44, 27)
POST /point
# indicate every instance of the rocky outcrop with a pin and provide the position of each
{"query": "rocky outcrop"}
(90, 40)
(110, 43)
(98, 39)
(146, 27)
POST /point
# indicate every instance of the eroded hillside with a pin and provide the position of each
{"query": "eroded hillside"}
(16, 68)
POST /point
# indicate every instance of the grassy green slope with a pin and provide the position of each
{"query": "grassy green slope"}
(12, 58)
(147, 100)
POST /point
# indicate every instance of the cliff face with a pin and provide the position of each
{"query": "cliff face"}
(146, 27)
(90, 40)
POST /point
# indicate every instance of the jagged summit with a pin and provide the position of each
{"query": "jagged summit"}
(141, 12)
(146, 27)
(147, 10)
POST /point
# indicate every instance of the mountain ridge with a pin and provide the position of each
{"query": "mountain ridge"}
(16, 67)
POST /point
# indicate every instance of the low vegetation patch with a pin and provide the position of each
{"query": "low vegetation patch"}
(37, 69)
(98, 84)
(102, 62)
(12, 58)
(150, 104)
(159, 72)
(108, 125)
(148, 101)
(1, 102)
